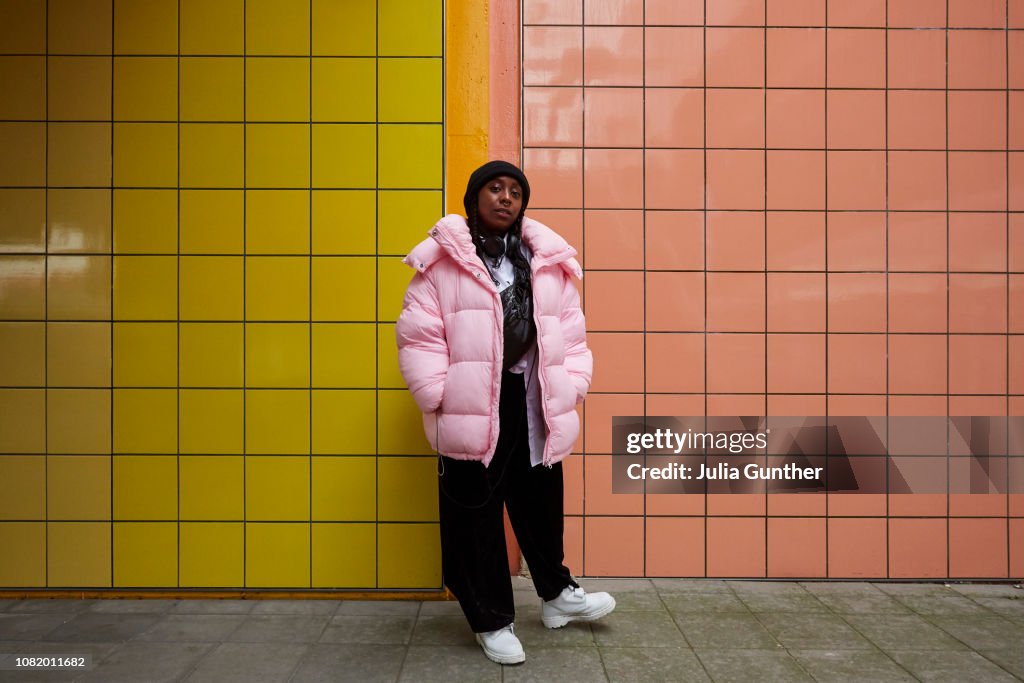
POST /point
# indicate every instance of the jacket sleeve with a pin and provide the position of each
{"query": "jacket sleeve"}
(579, 361)
(422, 346)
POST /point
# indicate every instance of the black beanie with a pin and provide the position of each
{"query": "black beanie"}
(490, 170)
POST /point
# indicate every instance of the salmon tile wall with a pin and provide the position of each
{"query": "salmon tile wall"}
(800, 208)
(203, 204)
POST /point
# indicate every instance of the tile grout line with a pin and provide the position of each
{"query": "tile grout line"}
(947, 325)
(177, 324)
(704, 254)
(309, 323)
(764, 255)
(888, 379)
(245, 271)
(46, 295)
(113, 261)
(1006, 144)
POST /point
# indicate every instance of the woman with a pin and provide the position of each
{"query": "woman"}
(492, 344)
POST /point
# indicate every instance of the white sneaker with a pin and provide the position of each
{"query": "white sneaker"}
(502, 646)
(575, 604)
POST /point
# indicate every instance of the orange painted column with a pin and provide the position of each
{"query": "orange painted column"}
(504, 142)
(481, 107)
(505, 92)
(467, 99)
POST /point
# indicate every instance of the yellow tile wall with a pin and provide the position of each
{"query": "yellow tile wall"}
(203, 204)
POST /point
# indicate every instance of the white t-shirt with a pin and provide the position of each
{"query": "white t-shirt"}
(505, 274)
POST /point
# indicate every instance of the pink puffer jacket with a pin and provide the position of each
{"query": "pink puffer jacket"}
(450, 341)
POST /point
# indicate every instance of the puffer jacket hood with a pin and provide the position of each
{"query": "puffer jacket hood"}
(450, 340)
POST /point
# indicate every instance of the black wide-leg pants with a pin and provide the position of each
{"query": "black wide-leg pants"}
(474, 558)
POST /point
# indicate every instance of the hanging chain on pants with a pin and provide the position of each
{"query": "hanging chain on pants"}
(474, 556)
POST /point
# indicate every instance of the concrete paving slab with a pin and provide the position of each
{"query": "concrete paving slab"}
(728, 666)
(801, 603)
(813, 632)
(820, 588)
(989, 590)
(902, 632)
(374, 630)
(1012, 660)
(192, 628)
(637, 629)
(557, 665)
(638, 601)
(614, 586)
(54, 606)
(393, 608)
(704, 603)
(850, 666)
(443, 630)
(532, 632)
(301, 607)
(273, 628)
(664, 586)
(643, 664)
(151, 662)
(102, 627)
(349, 663)
(96, 650)
(745, 588)
(725, 632)
(983, 633)
(742, 630)
(943, 605)
(445, 664)
(29, 627)
(434, 608)
(898, 589)
(951, 667)
(247, 662)
(133, 606)
(1003, 605)
(876, 602)
(213, 607)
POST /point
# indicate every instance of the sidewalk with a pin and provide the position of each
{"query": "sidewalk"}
(663, 629)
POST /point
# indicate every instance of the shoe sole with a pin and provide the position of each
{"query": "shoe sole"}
(562, 619)
(503, 659)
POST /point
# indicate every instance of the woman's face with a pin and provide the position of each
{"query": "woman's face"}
(499, 203)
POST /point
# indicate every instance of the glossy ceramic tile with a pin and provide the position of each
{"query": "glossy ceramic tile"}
(674, 12)
(674, 117)
(553, 117)
(796, 58)
(735, 57)
(727, 254)
(613, 12)
(23, 222)
(613, 178)
(552, 55)
(917, 59)
(552, 11)
(912, 14)
(613, 117)
(613, 55)
(917, 119)
(977, 59)
(673, 56)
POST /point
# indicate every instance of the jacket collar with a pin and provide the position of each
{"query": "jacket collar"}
(450, 237)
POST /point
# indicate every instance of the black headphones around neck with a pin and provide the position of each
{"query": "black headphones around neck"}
(492, 245)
